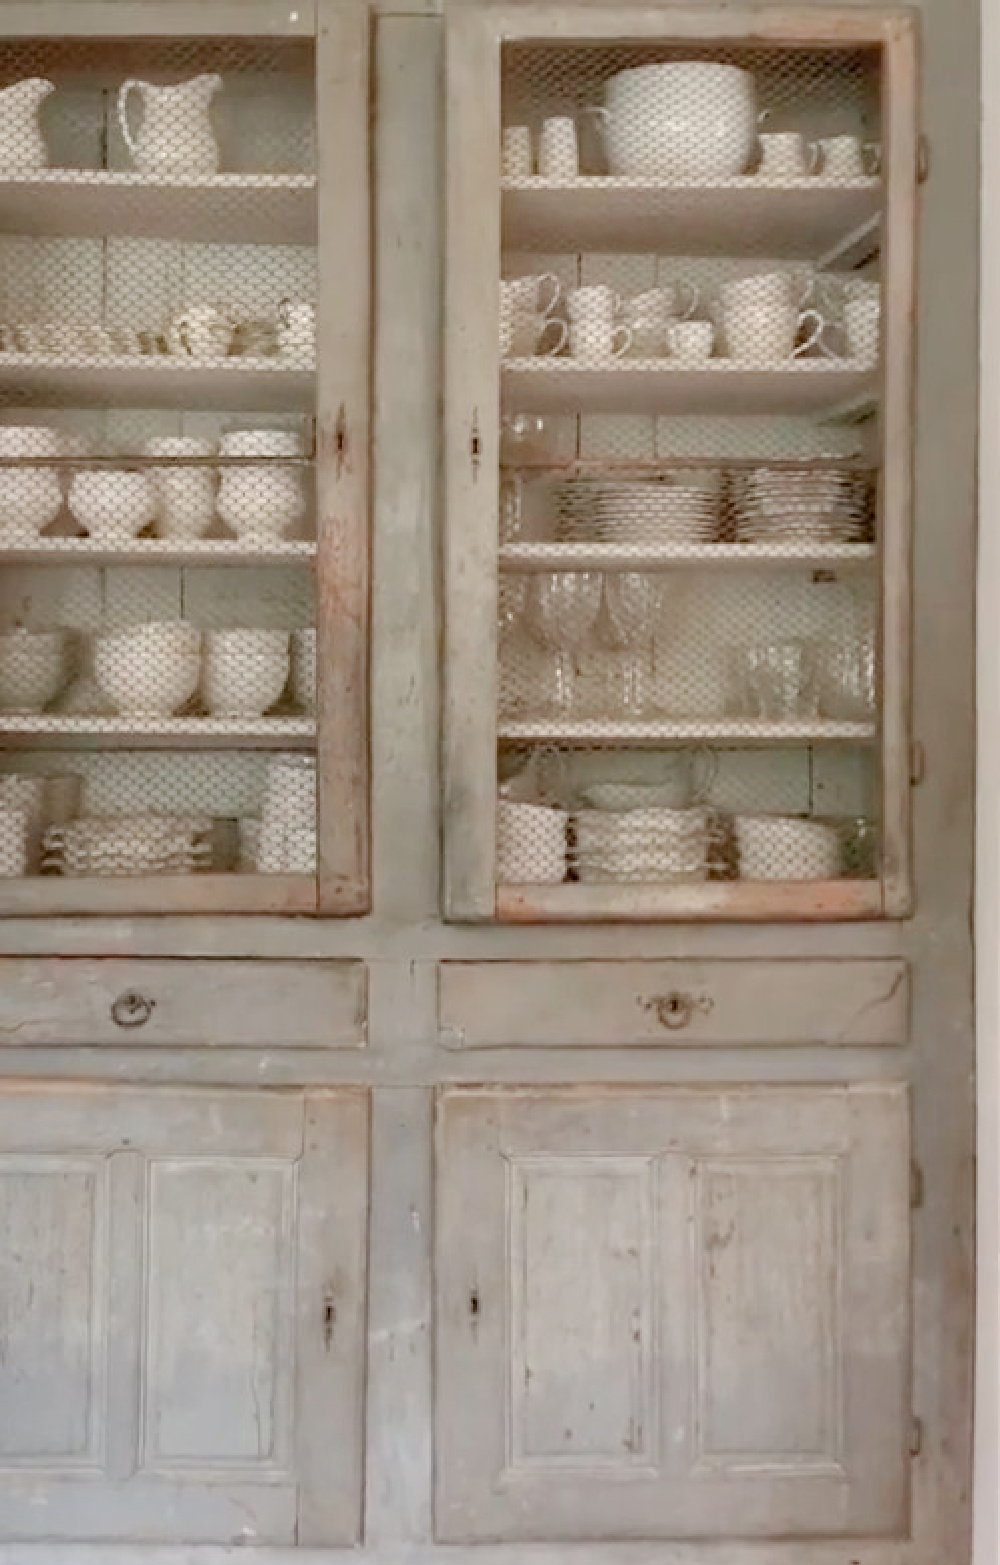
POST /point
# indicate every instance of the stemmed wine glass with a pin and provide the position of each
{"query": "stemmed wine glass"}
(512, 595)
(563, 609)
(635, 602)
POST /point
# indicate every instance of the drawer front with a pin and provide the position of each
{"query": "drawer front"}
(182, 1003)
(495, 1005)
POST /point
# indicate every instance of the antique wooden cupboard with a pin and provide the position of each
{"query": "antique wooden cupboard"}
(340, 1208)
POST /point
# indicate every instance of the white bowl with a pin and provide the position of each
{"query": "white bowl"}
(261, 502)
(245, 671)
(690, 120)
(150, 670)
(778, 847)
(304, 669)
(113, 506)
(261, 442)
(32, 440)
(185, 495)
(32, 669)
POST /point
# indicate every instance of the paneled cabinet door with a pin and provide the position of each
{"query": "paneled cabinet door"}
(182, 1277)
(677, 506)
(669, 1313)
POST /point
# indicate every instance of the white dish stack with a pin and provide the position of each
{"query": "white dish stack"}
(130, 845)
(641, 846)
(786, 847)
(287, 839)
(778, 505)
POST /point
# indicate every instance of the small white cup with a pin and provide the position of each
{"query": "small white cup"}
(787, 155)
(515, 155)
(594, 333)
(765, 289)
(558, 149)
(765, 334)
(690, 342)
(846, 157)
(526, 293)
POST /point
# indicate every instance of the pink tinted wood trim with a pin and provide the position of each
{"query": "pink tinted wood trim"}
(718, 900)
(54, 895)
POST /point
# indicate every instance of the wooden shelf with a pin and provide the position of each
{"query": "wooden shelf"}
(233, 384)
(655, 386)
(737, 900)
(53, 731)
(646, 557)
(273, 209)
(732, 732)
(155, 551)
(48, 896)
(793, 218)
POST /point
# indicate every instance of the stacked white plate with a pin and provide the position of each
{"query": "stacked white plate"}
(286, 841)
(819, 504)
(649, 511)
(575, 502)
(531, 844)
(786, 847)
(651, 845)
(130, 845)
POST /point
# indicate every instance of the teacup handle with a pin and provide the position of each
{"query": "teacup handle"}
(561, 339)
(871, 158)
(284, 312)
(123, 95)
(600, 113)
(814, 156)
(816, 332)
(694, 298)
(556, 286)
(182, 329)
(625, 333)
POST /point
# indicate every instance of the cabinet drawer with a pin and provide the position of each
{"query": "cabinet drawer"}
(493, 1005)
(183, 1003)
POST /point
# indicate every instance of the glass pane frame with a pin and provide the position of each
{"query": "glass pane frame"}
(476, 39)
(335, 397)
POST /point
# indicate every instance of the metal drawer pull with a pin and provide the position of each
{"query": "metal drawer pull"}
(131, 1009)
(675, 1010)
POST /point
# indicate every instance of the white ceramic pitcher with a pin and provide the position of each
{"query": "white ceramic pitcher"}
(176, 135)
(22, 144)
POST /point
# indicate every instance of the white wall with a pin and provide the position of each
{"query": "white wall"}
(987, 1471)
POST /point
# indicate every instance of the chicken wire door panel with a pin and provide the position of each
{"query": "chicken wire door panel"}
(183, 351)
(678, 370)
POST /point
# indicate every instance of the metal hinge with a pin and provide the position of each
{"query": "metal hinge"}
(916, 1436)
(340, 435)
(916, 1185)
(475, 445)
(917, 762)
(923, 160)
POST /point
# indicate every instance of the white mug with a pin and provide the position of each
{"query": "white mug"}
(522, 335)
(203, 332)
(846, 157)
(593, 331)
(787, 155)
(525, 293)
(765, 333)
(297, 327)
(690, 342)
(558, 151)
(766, 289)
(515, 154)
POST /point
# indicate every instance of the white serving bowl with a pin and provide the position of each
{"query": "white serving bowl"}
(245, 671)
(30, 497)
(185, 495)
(149, 670)
(261, 502)
(32, 669)
(779, 847)
(690, 120)
(261, 442)
(112, 506)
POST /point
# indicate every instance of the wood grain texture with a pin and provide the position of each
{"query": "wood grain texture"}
(700, 1292)
(771, 902)
(669, 1005)
(342, 454)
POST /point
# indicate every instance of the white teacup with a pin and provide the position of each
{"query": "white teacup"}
(523, 335)
(691, 342)
(787, 155)
(762, 289)
(558, 151)
(515, 154)
(847, 157)
(650, 313)
(766, 333)
(527, 293)
(203, 332)
(297, 328)
(594, 332)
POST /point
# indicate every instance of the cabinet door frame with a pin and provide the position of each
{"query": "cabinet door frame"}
(474, 35)
(341, 32)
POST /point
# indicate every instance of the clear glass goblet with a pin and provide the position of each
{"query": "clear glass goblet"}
(563, 610)
(636, 601)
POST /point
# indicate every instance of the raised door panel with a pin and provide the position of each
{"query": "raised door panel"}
(184, 1303)
(672, 1313)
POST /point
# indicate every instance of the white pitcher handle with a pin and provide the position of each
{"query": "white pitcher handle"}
(816, 331)
(561, 339)
(694, 298)
(123, 92)
(556, 286)
(625, 333)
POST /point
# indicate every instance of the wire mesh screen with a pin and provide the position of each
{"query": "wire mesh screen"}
(690, 346)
